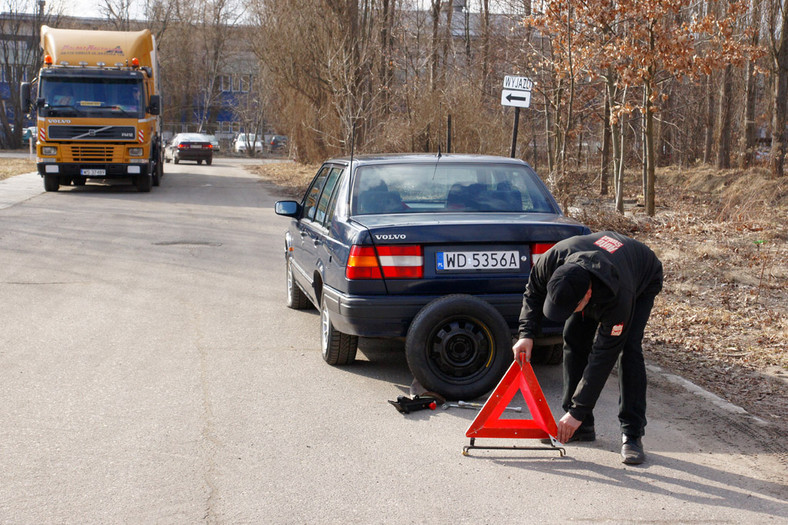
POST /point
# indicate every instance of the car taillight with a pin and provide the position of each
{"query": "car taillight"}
(183, 146)
(391, 262)
(538, 249)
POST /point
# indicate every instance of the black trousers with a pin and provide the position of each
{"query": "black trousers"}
(579, 335)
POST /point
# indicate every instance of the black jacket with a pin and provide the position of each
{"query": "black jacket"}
(622, 270)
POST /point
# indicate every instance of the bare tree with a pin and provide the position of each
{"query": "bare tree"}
(20, 59)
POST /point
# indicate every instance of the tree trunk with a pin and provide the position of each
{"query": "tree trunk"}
(604, 173)
(747, 142)
(724, 122)
(709, 120)
(650, 183)
(780, 92)
(435, 12)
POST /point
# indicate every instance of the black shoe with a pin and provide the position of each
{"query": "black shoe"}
(581, 434)
(632, 450)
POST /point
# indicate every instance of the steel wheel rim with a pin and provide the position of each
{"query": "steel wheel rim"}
(460, 349)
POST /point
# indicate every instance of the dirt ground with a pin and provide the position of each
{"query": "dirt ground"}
(722, 318)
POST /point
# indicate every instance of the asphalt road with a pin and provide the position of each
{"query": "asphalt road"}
(150, 373)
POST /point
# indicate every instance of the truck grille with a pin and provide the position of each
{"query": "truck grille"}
(89, 153)
(92, 133)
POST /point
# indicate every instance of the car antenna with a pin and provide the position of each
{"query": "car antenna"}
(439, 151)
(352, 143)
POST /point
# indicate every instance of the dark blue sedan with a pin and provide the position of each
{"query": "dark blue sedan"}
(433, 248)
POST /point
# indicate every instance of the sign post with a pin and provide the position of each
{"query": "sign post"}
(517, 93)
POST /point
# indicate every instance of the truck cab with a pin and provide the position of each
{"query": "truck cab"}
(98, 108)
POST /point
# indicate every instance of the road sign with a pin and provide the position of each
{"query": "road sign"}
(516, 98)
(518, 83)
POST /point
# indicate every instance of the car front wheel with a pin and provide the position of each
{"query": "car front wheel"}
(338, 348)
(458, 346)
(296, 298)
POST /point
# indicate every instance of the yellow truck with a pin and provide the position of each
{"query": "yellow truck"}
(98, 108)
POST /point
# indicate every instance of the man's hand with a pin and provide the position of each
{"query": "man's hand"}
(567, 427)
(522, 350)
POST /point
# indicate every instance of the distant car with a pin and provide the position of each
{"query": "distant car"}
(214, 142)
(244, 142)
(189, 146)
(275, 143)
(435, 249)
(28, 134)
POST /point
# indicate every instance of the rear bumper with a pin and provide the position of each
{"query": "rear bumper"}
(194, 155)
(66, 169)
(391, 316)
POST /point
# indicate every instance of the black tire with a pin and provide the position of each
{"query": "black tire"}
(143, 182)
(548, 354)
(209, 162)
(459, 346)
(338, 349)
(158, 171)
(175, 159)
(199, 162)
(296, 298)
(51, 182)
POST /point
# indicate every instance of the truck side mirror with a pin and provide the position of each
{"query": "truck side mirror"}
(24, 95)
(155, 105)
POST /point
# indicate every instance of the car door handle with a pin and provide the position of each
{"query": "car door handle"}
(318, 242)
(302, 234)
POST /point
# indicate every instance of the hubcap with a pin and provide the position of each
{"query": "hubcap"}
(325, 326)
(460, 349)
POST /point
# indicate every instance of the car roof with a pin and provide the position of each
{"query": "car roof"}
(425, 158)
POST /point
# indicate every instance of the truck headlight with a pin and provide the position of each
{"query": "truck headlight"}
(135, 152)
(49, 151)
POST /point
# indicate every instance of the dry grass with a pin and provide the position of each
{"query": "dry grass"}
(10, 167)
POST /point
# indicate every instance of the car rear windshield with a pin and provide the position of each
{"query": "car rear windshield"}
(446, 187)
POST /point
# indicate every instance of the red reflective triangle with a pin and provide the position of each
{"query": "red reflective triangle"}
(489, 423)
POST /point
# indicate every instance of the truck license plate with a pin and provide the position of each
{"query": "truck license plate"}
(93, 172)
(492, 260)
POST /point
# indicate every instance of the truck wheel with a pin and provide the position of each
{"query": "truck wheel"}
(548, 354)
(51, 182)
(338, 348)
(296, 299)
(143, 182)
(458, 346)
(157, 173)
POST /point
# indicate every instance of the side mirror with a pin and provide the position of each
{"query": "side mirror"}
(24, 95)
(40, 102)
(155, 105)
(287, 208)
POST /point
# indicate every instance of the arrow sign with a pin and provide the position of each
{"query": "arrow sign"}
(516, 98)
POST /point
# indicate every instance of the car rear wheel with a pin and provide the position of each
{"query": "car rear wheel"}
(296, 299)
(338, 348)
(458, 346)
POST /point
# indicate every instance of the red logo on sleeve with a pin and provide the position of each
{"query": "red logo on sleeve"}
(617, 330)
(608, 244)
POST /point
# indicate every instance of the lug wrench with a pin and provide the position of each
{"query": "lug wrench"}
(474, 406)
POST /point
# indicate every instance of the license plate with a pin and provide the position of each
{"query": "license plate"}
(488, 260)
(93, 172)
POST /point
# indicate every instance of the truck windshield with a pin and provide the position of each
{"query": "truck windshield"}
(92, 97)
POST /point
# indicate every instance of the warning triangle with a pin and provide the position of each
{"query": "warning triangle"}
(488, 422)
